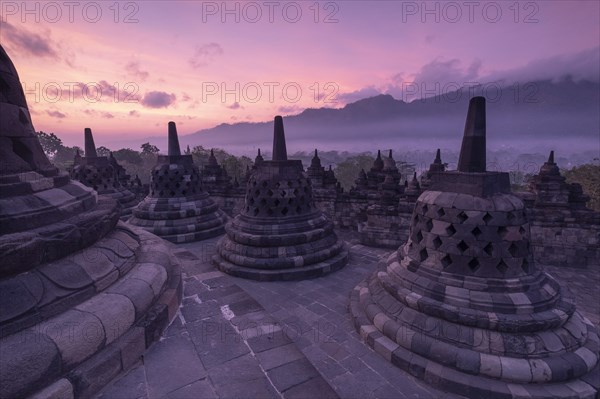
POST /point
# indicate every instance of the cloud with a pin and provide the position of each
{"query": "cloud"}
(350, 97)
(95, 92)
(235, 105)
(205, 54)
(185, 97)
(133, 68)
(134, 113)
(291, 109)
(583, 65)
(28, 43)
(451, 71)
(56, 114)
(158, 99)
(102, 114)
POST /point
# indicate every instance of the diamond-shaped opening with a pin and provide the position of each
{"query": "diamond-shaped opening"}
(502, 231)
(446, 261)
(502, 267)
(264, 183)
(295, 191)
(284, 211)
(428, 225)
(513, 250)
(251, 201)
(525, 266)
(522, 230)
(510, 217)
(441, 212)
(270, 193)
(425, 208)
(423, 254)
(277, 202)
(270, 212)
(488, 249)
(437, 242)
(282, 194)
(263, 201)
(255, 211)
(419, 237)
(462, 217)
(476, 232)
(462, 246)
(487, 217)
(450, 230)
(474, 264)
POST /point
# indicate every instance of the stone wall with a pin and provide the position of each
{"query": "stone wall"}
(350, 212)
(230, 203)
(565, 241)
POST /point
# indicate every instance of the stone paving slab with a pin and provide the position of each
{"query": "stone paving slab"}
(243, 338)
(222, 344)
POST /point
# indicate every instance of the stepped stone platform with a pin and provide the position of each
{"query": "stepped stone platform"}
(82, 295)
(312, 315)
(463, 306)
(178, 208)
(280, 234)
(100, 174)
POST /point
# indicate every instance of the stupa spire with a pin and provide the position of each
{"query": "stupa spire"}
(279, 149)
(173, 140)
(473, 151)
(90, 147)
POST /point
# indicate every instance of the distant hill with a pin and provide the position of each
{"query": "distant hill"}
(538, 111)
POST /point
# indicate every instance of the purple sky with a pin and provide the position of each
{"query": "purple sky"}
(196, 64)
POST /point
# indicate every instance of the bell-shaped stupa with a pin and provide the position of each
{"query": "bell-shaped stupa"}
(177, 208)
(462, 304)
(100, 174)
(280, 233)
(82, 295)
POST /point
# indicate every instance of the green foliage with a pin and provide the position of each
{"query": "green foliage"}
(347, 171)
(102, 151)
(128, 155)
(235, 166)
(149, 149)
(64, 156)
(50, 143)
(588, 176)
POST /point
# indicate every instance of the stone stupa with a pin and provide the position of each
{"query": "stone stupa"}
(100, 174)
(463, 306)
(82, 295)
(177, 208)
(280, 233)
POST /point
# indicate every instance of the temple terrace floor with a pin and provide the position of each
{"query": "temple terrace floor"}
(249, 339)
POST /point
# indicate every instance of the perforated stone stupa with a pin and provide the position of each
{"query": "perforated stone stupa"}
(100, 174)
(82, 295)
(463, 306)
(177, 208)
(280, 234)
